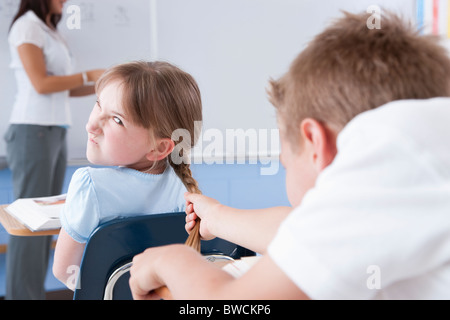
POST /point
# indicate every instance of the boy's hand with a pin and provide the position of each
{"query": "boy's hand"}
(143, 279)
(205, 208)
(148, 273)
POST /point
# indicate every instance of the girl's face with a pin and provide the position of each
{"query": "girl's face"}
(113, 140)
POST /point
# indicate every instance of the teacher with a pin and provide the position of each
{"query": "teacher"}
(36, 138)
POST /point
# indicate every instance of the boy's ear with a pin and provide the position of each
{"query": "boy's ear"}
(319, 141)
(161, 150)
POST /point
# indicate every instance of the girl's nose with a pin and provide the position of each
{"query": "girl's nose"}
(93, 125)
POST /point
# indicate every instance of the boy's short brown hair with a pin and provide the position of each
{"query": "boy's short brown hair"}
(349, 69)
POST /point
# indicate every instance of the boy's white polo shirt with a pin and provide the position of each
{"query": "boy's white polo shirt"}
(377, 223)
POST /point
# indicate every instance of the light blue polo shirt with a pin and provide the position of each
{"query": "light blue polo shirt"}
(98, 195)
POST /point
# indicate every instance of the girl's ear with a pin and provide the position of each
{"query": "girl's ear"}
(161, 150)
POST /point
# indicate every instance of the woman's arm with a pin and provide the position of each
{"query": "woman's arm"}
(33, 62)
(188, 275)
(67, 259)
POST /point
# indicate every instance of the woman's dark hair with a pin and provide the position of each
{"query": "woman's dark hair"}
(40, 7)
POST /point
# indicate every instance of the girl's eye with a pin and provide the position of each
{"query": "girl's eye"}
(118, 121)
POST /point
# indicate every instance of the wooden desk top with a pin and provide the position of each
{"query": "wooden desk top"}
(15, 228)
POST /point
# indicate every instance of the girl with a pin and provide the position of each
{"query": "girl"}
(139, 106)
(40, 116)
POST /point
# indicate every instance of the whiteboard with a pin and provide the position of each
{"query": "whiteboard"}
(231, 47)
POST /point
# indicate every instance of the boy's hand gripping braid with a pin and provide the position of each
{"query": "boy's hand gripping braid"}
(198, 207)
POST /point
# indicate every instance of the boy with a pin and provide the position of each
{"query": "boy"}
(364, 140)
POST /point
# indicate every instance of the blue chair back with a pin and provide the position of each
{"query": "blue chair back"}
(115, 243)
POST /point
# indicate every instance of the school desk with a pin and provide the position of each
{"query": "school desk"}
(15, 228)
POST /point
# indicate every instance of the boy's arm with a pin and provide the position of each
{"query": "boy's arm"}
(252, 229)
(161, 266)
(67, 259)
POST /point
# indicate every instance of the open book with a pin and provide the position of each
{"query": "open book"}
(38, 214)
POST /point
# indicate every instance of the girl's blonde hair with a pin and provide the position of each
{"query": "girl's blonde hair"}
(162, 98)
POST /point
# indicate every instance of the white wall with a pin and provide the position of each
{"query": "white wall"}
(232, 48)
